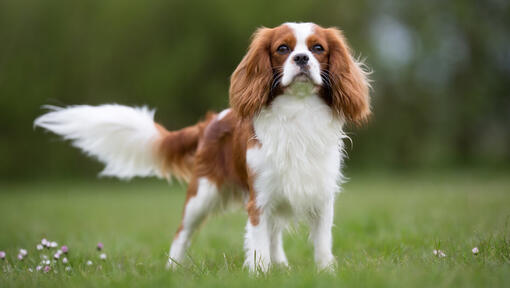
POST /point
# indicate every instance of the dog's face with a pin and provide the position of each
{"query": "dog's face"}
(293, 52)
(296, 56)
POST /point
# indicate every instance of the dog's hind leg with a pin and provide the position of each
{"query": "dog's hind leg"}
(202, 198)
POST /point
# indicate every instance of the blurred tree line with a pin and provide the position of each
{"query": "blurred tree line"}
(441, 72)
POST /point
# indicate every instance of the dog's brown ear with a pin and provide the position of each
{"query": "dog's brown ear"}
(349, 82)
(251, 81)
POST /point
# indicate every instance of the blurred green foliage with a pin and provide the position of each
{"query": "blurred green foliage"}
(441, 72)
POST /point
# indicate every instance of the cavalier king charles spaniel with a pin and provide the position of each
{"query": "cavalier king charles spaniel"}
(277, 150)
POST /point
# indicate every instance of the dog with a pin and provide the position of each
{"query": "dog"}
(278, 149)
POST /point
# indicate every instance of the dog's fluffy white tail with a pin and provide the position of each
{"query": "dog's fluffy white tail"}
(121, 137)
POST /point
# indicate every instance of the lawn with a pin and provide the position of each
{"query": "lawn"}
(387, 226)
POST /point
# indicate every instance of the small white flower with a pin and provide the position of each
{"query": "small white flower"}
(46, 243)
(102, 256)
(47, 262)
(56, 256)
(39, 247)
(475, 251)
(64, 260)
(20, 257)
(2, 255)
(439, 253)
(68, 268)
(44, 257)
(23, 252)
(30, 270)
(38, 268)
(53, 244)
(89, 263)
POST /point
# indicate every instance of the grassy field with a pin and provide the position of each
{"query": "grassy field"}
(387, 227)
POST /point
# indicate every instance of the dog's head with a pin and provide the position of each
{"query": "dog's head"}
(294, 52)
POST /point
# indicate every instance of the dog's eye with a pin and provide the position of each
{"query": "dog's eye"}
(283, 49)
(317, 48)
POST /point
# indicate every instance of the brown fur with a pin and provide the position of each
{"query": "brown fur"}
(350, 86)
(250, 82)
(177, 148)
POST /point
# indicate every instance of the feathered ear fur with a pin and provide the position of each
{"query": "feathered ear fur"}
(250, 83)
(350, 85)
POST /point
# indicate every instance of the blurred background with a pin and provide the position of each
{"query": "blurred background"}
(441, 73)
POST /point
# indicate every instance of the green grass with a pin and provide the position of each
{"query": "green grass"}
(386, 229)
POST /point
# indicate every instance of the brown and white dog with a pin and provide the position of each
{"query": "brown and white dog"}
(277, 150)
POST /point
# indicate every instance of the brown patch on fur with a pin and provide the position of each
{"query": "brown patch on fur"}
(253, 211)
(250, 84)
(319, 38)
(179, 229)
(251, 205)
(177, 148)
(283, 36)
(221, 155)
(349, 83)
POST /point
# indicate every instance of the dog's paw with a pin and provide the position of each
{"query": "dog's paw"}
(257, 269)
(281, 264)
(327, 265)
(172, 265)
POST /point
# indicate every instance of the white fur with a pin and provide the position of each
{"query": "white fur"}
(119, 136)
(196, 210)
(290, 70)
(320, 234)
(223, 113)
(263, 244)
(257, 246)
(297, 166)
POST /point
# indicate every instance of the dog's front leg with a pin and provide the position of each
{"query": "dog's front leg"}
(320, 230)
(257, 244)
(276, 248)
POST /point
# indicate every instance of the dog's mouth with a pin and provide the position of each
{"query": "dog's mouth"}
(302, 85)
(302, 76)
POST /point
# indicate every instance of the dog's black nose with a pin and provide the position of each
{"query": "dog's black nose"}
(301, 59)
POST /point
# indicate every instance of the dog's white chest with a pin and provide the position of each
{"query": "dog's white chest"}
(297, 166)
